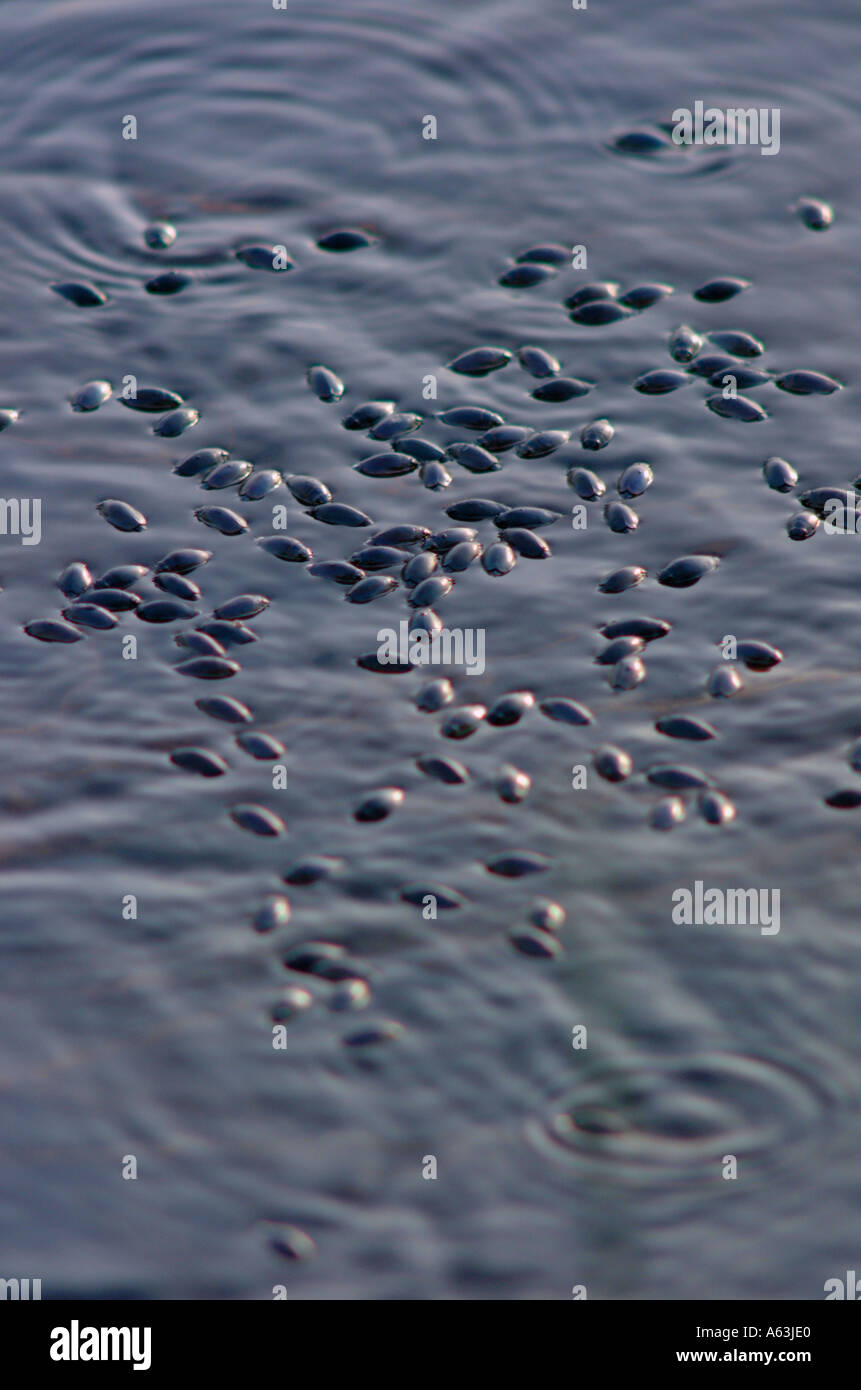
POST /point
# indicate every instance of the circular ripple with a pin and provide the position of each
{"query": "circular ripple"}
(676, 1119)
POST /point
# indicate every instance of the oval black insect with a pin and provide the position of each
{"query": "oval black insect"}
(121, 515)
(717, 291)
(447, 770)
(510, 708)
(650, 629)
(203, 461)
(152, 400)
(537, 362)
(199, 760)
(339, 514)
(565, 711)
(805, 383)
(715, 808)
(378, 557)
(259, 820)
(91, 395)
(222, 519)
(470, 417)
(81, 294)
(446, 899)
(724, 682)
(168, 282)
(541, 443)
(527, 544)
(475, 509)
(177, 422)
(263, 747)
(815, 214)
(617, 649)
(676, 778)
(779, 474)
(740, 377)
(387, 465)
(462, 723)
(422, 450)
(116, 600)
(121, 577)
(684, 726)
(684, 343)
(260, 483)
(523, 277)
(165, 610)
(228, 474)
(379, 804)
(260, 257)
(561, 388)
(435, 696)
(159, 235)
(834, 502)
(736, 343)
(597, 435)
(644, 296)
(346, 239)
(325, 384)
(802, 525)
(536, 944)
(598, 312)
(758, 656)
(518, 864)
(461, 556)
(75, 579)
(545, 255)
(530, 517)
(90, 615)
(690, 569)
(228, 634)
(619, 581)
(242, 607)
(183, 561)
(368, 414)
(709, 364)
(429, 591)
(199, 644)
(208, 668)
(52, 630)
(636, 479)
(498, 559)
(338, 571)
(512, 785)
(628, 673)
(403, 534)
(224, 708)
(419, 567)
(310, 492)
(502, 438)
(620, 518)
(479, 361)
(372, 587)
(435, 476)
(393, 426)
(474, 459)
(661, 381)
(586, 484)
(588, 294)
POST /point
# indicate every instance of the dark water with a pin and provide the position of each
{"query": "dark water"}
(152, 1037)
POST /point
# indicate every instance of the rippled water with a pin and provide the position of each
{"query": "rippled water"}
(152, 1037)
